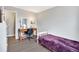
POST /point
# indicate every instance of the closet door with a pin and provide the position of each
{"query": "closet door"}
(10, 21)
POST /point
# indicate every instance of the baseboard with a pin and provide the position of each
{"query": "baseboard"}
(10, 35)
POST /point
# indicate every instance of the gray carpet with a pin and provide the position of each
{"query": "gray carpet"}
(24, 46)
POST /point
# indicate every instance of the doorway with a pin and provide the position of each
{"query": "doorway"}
(10, 17)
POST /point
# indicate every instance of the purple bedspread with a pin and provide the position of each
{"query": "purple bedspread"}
(58, 44)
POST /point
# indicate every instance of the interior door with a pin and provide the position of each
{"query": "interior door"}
(10, 20)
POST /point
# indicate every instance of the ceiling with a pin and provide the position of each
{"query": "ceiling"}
(35, 9)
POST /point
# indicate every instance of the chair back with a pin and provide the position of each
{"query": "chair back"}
(30, 31)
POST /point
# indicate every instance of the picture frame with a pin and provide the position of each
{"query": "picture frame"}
(23, 21)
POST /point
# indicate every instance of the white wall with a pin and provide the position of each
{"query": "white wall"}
(20, 14)
(60, 21)
(3, 37)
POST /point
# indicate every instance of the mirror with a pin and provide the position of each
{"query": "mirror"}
(23, 22)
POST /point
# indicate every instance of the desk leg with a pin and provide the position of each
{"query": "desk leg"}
(20, 35)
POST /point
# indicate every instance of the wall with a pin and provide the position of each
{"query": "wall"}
(61, 21)
(3, 37)
(20, 14)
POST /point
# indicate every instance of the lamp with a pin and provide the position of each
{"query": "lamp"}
(32, 22)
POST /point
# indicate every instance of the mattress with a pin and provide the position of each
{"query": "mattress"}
(58, 44)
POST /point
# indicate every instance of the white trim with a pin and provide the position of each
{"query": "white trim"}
(10, 35)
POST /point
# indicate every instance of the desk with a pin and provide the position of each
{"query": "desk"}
(22, 31)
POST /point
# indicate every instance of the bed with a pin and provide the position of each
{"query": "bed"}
(58, 44)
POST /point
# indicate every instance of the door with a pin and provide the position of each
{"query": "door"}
(10, 20)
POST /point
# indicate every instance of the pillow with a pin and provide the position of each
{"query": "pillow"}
(42, 33)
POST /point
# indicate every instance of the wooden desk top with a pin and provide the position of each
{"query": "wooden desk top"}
(23, 30)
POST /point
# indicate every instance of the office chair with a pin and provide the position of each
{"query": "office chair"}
(29, 33)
